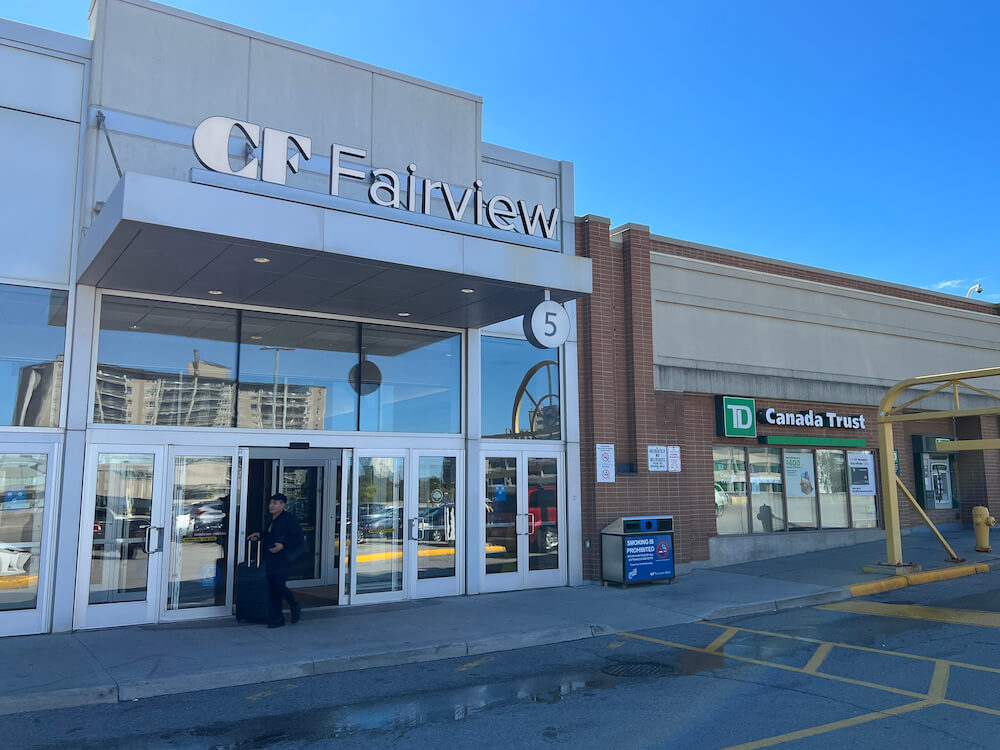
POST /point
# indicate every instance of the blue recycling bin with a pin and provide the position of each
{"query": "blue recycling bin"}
(638, 549)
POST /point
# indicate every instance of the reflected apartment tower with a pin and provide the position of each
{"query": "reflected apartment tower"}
(39, 389)
(203, 398)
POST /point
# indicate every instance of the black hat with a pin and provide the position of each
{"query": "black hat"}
(280, 497)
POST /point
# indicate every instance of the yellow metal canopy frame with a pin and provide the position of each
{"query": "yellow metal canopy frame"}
(889, 413)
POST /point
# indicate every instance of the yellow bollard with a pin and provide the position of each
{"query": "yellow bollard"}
(981, 522)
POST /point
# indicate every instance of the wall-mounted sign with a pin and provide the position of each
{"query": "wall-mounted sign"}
(546, 325)
(800, 476)
(673, 458)
(605, 462)
(734, 416)
(657, 457)
(386, 188)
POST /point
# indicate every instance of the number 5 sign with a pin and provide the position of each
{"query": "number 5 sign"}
(546, 325)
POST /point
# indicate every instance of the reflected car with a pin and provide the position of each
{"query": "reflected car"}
(208, 518)
(387, 522)
(438, 523)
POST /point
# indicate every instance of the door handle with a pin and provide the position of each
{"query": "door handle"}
(413, 529)
(146, 539)
(147, 543)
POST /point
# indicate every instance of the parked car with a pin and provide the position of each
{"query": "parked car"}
(438, 523)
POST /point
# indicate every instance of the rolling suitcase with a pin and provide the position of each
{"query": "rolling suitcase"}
(252, 603)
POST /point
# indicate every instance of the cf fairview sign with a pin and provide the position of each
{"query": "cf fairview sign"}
(281, 152)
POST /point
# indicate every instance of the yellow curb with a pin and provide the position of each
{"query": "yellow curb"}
(880, 586)
(915, 579)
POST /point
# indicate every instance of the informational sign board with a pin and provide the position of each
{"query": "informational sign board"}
(649, 557)
(605, 462)
(657, 456)
(673, 458)
(799, 474)
(862, 468)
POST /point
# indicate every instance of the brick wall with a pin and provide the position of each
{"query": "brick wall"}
(619, 404)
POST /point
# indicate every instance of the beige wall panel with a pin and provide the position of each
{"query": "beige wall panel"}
(711, 314)
(169, 68)
(327, 101)
(435, 130)
(520, 184)
(41, 84)
(37, 196)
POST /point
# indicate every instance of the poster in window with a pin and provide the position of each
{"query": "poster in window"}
(862, 468)
(799, 474)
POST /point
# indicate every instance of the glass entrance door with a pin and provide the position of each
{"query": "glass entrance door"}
(524, 521)
(378, 498)
(200, 533)
(435, 522)
(121, 537)
(311, 485)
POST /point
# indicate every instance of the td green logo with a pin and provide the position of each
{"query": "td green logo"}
(735, 417)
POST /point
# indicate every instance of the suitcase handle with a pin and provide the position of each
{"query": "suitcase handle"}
(251, 543)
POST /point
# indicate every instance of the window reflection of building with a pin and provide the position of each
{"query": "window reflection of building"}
(39, 392)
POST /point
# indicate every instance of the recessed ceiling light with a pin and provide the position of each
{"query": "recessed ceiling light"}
(262, 260)
(215, 291)
(403, 314)
(134, 326)
(466, 290)
(256, 338)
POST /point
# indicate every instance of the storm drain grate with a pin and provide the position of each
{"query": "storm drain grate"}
(638, 669)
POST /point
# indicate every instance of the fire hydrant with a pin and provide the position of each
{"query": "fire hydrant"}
(981, 522)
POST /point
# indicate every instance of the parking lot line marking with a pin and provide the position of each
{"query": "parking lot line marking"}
(939, 680)
(268, 693)
(834, 726)
(818, 657)
(835, 644)
(919, 612)
(475, 663)
(616, 644)
(783, 667)
(721, 640)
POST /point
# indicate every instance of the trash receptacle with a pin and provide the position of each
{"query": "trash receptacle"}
(638, 549)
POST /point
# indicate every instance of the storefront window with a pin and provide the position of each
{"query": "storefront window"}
(861, 465)
(520, 390)
(730, 490)
(33, 331)
(295, 373)
(793, 489)
(831, 479)
(765, 490)
(411, 380)
(163, 363)
(22, 500)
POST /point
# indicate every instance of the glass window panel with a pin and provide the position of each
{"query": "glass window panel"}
(864, 513)
(436, 504)
(22, 502)
(730, 490)
(501, 515)
(295, 373)
(122, 512)
(200, 549)
(520, 390)
(766, 487)
(33, 332)
(800, 490)
(831, 480)
(380, 568)
(411, 380)
(543, 512)
(165, 363)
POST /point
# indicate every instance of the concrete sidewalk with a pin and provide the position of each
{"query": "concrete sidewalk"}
(119, 664)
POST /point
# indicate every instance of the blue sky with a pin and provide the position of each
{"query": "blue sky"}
(858, 136)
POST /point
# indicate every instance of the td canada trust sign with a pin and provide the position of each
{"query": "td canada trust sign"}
(282, 152)
(739, 417)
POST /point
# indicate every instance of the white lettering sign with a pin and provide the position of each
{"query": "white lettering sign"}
(657, 457)
(810, 418)
(673, 458)
(211, 147)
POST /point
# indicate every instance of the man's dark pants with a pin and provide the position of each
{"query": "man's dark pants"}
(277, 589)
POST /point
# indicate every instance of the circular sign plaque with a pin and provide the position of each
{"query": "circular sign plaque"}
(546, 325)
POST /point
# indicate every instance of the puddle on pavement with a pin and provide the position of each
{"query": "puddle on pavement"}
(453, 705)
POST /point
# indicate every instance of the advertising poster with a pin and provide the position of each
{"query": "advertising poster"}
(800, 475)
(862, 468)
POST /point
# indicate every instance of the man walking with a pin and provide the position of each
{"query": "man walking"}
(284, 543)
